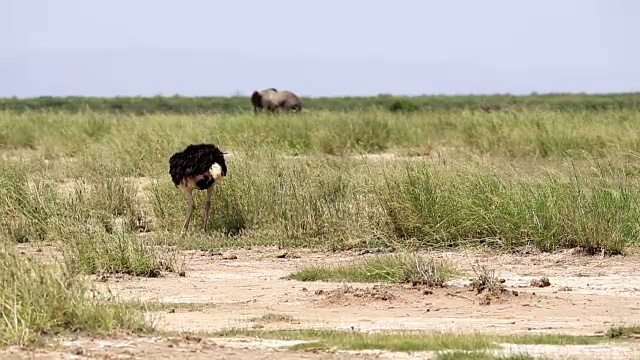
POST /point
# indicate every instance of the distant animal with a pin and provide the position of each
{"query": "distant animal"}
(271, 100)
(263, 99)
(198, 167)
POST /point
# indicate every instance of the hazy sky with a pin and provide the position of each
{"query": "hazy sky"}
(317, 48)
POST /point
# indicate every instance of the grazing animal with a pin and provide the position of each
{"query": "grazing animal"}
(271, 100)
(259, 99)
(198, 167)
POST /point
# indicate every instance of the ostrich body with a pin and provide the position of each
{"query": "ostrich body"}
(198, 167)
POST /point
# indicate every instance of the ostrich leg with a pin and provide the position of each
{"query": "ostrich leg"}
(189, 195)
(207, 208)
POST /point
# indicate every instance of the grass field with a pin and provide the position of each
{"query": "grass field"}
(503, 179)
(95, 185)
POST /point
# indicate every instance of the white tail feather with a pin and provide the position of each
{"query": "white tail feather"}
(215, 171)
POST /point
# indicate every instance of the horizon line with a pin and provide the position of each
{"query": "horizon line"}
(236, 95)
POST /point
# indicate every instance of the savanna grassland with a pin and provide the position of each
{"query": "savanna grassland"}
(86, 195)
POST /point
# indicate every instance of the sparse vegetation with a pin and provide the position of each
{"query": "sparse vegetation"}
(170, 306)
(407, 341)
(482, 355)
(349, 340)
(485, 280)
(394, 268)
(273, 318)
(616, 332)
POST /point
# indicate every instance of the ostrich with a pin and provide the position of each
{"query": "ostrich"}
(198, 167)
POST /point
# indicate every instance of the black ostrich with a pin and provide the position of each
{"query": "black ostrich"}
(198, 167)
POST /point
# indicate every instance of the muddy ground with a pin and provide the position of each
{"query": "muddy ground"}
(585, 295)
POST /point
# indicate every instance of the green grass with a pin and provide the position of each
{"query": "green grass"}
(550, 339)
(393, 268)
(351, 203)
(95, 221)
(141, 143)
(406, 341)
(153, 306)
(504, 180)
(37, 300)
(117, 254)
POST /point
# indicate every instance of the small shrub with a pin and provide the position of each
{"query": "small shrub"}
(616, 332)
(403, 105)
(27, 203)
(485, 280)
(121, 253)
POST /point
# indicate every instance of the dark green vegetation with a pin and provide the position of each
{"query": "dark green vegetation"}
(192, 105)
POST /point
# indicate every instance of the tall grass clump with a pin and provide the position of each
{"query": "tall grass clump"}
(458, 206)
(26, 203)
(100, 231)
(102, 253)
(38, 300)
(95, 219)
(393, 268)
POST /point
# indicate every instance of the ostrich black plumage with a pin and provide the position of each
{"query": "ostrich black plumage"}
(198, 167)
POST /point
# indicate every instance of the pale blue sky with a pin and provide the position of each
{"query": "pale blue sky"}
(317, 48)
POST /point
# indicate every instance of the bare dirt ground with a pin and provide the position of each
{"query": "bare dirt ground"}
(586, 295)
